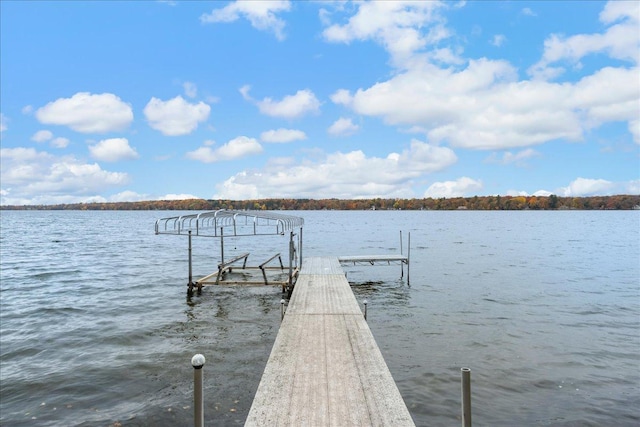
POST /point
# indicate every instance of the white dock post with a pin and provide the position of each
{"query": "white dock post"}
(365, 309)
(197, 362)
(466, 396)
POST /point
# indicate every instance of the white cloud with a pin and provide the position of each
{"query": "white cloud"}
(183, 196)
(342, 175)
(498, 40)
(59, 142)
(396, 25)
(586, 187)
(42, 136)
(46, 135)
(633, 187)
(88, 113)
(461, 187)
(283, 135)
(290, 107)
(261, 14)
(516, 193)
(620, 41)
(3, 122)
(482, 104)
(190, 89)
(175, 116)
(343, 127)
(518, 158)
(113, 150)
(128, 196)
(237, 148)
(27, 109)
(342, 97)
(29, 176)
(528, 12)
(610, 94)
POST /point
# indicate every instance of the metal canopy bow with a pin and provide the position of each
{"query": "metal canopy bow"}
(228, 223)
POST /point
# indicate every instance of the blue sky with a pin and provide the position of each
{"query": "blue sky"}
(126, 101)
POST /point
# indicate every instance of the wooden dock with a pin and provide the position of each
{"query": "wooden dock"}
(325, 368)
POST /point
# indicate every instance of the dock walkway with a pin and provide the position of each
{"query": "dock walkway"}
(325, 368)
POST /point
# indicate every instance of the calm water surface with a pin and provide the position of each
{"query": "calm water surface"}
(544, 307)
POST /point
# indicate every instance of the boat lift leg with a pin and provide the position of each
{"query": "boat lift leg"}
(190, 284)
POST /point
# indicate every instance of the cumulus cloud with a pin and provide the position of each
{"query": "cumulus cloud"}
(183, 196)
(482, 103)
(290, 107)
(132, 196)
(282, 135)
(88, 113)
(461, 187)
(621, 40)
(343, 175)
(483, 106)
(587, 187)
(42, 136)
(396, 25)
(128, 196)
(263, 15)
(237, 148)
(46, 135)
(113, 150)
(29, 176)
(3, 122)
(175, 116)
(343, 127)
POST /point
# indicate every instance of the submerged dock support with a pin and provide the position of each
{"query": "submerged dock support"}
(466, 396)
(197, 362)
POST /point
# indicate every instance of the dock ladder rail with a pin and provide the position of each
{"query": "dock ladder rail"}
(231, 223)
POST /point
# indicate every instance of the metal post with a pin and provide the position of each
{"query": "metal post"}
(466, 396)
(222, 245)
(281, 309)
(197, 362)
(300, 246)
(408, 257)
(401, 263)
(291, 250)
(365, 309)
(190, 269)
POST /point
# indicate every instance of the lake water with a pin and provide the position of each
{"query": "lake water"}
(544, 307)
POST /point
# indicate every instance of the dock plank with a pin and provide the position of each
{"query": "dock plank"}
(325, 368)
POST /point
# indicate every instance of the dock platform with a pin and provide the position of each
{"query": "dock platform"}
(325, 368)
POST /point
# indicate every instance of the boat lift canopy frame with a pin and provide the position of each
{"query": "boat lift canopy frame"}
(229, 223)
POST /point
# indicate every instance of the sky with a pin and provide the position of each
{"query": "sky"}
(152, 100)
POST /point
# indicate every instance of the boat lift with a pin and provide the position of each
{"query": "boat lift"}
(229, 223)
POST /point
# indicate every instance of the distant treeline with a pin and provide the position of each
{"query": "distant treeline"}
(552, 202)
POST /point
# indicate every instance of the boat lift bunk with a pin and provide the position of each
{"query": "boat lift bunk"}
(229, 223)
(400, 259)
